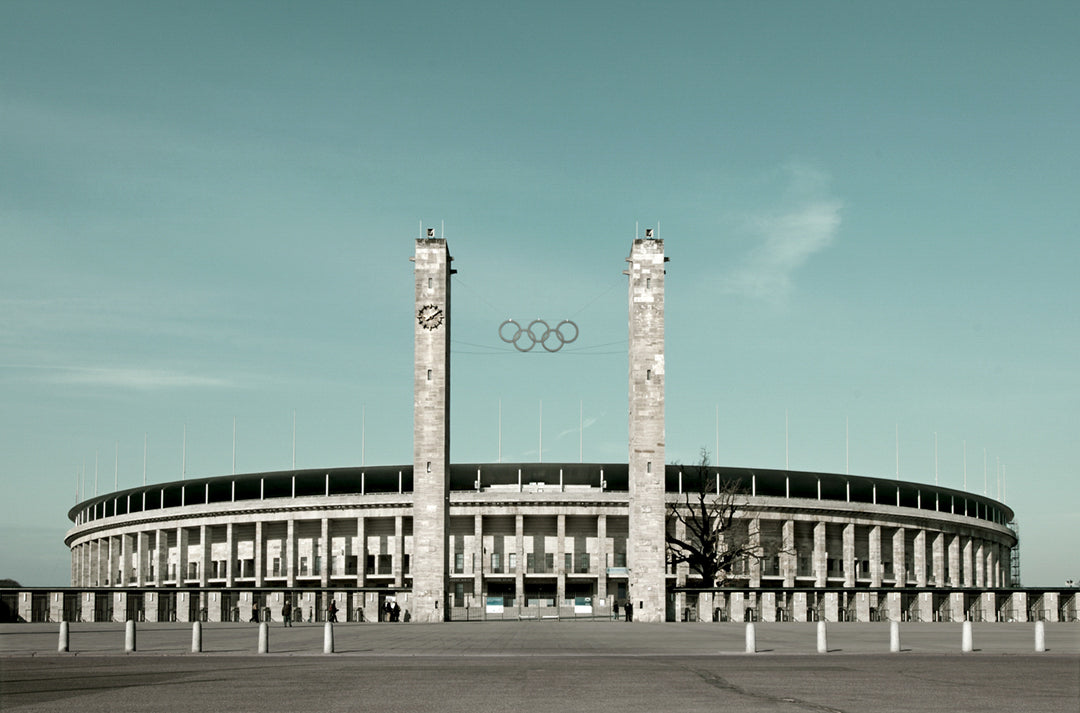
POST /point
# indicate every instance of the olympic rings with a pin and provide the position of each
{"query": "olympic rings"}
(551, 340)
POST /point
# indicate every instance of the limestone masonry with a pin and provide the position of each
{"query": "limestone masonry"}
(506, 540)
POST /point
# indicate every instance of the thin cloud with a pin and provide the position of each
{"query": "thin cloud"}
(127, 378)
(786, 238)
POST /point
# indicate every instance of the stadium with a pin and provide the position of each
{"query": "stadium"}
(459, 541)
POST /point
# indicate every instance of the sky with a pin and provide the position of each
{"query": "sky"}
(207, 211)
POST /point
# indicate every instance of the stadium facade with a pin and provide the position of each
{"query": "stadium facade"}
(454, 541)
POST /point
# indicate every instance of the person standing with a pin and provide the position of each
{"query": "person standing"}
(286, 614)
(331, 612)
(629, 610)
(615, 609)
(254, 613)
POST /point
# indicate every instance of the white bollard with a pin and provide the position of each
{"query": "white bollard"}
(129, 636)
(1040, 636)
(751, 638)
(62, 646)
(822, 639)
(196, 638)
(894, 637)
(965, 638)
(328, 639)
(264, 638)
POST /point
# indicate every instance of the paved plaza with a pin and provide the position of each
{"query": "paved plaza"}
(539, 666)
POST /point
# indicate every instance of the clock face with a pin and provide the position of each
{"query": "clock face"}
(429, 316)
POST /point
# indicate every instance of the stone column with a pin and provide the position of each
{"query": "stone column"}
(560, 560)
(920, 558)
(754, 540)
(789, 559)
(938, 548)
(325, 553)
(849, 555)
(899, 556)
(161, 559)
(230, 563)
(142, 553)
(519, 546)
(181, 555)
(478, 558)
(980, 565)
(361, 551)
(125, 560)
(602, 555)
(875, 556)
(399, 552)
(260, 554)
(110, 566)
(204, 545)
(969, 574)
(646, 547)
(431, 429)
(820, 555)
(954, 561)
(290, 552)
(993, 573)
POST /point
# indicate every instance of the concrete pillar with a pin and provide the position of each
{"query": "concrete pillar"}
(899, 543)
(968, 553)
(980, 565)
(431, 429)
(849, 554)
(290, 553)
(646, 547)
(954, 561)
(399, 551)
(938, 548)
(789, 558)
(993, 570)
(874, 546)
(820, 555)
(736, 608)
(988, 605)
(920, 558)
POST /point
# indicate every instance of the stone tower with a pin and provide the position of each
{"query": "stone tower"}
(431, 430)
(646, 549)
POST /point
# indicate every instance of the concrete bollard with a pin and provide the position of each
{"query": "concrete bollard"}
(129, 636)
(751, 638)
(328, 639)
(196, 638)
(62, 646)
(1040, 637)
(264, 638)
(822, 639)
(894, 637)
(965, 638)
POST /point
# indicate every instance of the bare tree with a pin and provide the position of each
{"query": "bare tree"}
(713, 546)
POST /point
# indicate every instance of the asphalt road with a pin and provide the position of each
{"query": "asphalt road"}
(594, 667)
